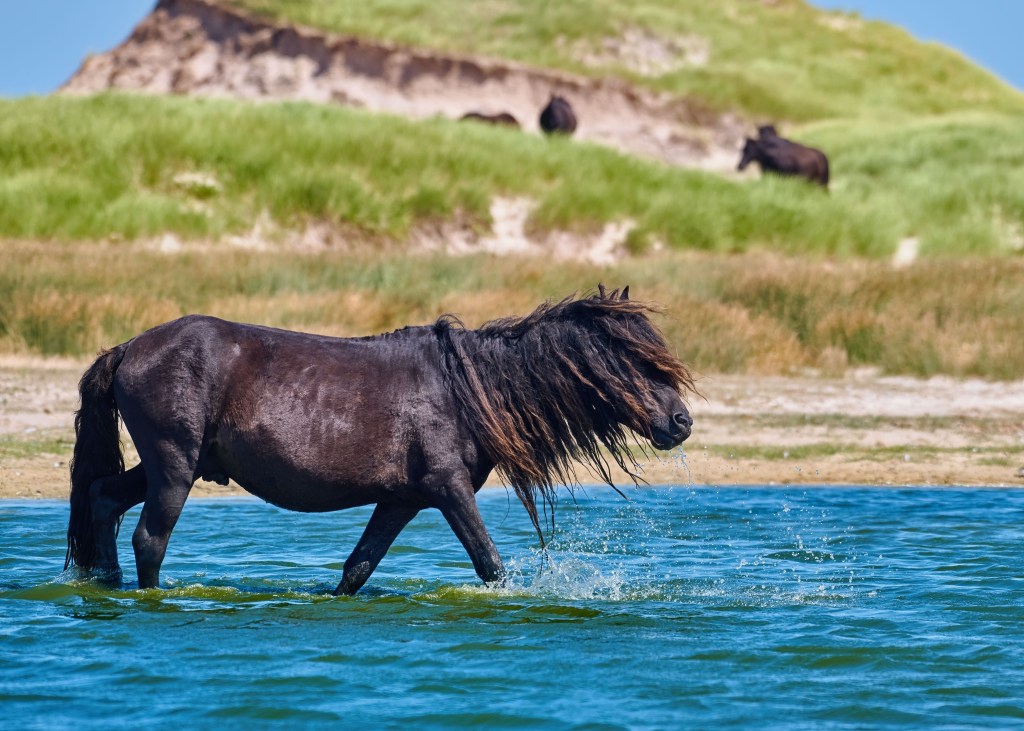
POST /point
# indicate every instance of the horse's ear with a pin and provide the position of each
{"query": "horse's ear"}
(625, 294)
(600, 289)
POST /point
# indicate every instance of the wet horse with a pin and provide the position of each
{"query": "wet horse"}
(413, 419)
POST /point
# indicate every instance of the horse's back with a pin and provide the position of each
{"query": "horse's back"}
(225, 367)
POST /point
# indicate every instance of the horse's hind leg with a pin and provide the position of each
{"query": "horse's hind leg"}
(110, 498)
(167, 488)
(385, 524)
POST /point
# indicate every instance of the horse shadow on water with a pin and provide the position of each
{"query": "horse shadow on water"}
(413, 419)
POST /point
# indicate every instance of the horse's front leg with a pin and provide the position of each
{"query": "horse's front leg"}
(458, 505)
(385, 524)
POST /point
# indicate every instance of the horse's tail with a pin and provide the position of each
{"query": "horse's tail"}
(97, 452)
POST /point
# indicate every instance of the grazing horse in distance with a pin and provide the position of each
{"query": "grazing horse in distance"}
(413, 419)
(557, 117)
(502, 118)
(777, 155)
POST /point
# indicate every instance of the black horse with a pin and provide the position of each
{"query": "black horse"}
(503, 119)
(784, 157)
(412, 419)
(557, 117)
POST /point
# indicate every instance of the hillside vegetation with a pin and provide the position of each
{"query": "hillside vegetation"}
(111, 166)
(780, 60)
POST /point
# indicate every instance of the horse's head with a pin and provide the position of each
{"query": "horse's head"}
(751, 148)
(662, 416)
(566, 384)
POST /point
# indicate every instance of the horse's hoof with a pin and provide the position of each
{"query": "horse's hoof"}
(110, 577)
(500, 583)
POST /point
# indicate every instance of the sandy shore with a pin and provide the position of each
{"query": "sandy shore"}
(861, 429)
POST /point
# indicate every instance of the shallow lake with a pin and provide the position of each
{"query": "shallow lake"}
(785, 607)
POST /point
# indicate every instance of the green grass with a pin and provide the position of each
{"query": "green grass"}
(784, 60)
(21, 447)
(955, 181)
(108, 167)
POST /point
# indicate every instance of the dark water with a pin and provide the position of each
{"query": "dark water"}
(684, 608)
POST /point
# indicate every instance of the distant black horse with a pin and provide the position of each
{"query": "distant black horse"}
(502, 118)
(558, 117)
(783, 157)
(413, 419)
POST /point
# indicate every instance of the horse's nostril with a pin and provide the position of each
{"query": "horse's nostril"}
(682, 419)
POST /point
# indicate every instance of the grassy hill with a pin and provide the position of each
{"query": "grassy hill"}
(111, 166)
(769, 60)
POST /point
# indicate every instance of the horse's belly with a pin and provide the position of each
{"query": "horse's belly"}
(305, 479)
(303, 495)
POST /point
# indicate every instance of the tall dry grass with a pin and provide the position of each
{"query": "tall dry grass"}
(747, 313)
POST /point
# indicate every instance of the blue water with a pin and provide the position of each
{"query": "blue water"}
(820, 608)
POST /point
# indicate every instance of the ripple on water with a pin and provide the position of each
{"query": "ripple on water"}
(790, 607)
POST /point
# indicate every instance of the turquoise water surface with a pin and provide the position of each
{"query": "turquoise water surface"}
(783, 607)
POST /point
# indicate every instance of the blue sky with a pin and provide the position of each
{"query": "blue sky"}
(42, 42)
(986, 31)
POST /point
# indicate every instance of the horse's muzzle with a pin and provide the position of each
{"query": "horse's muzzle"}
(678, 431)
(682, 424)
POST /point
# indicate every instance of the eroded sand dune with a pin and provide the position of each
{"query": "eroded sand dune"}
(200, 47)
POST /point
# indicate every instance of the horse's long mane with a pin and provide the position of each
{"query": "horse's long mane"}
(548, 390)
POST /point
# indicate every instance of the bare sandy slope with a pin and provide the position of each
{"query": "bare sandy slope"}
(861, 429)
(205, 48)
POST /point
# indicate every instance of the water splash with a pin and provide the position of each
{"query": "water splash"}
(603, 550)
(568, 577)
(680, 543)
